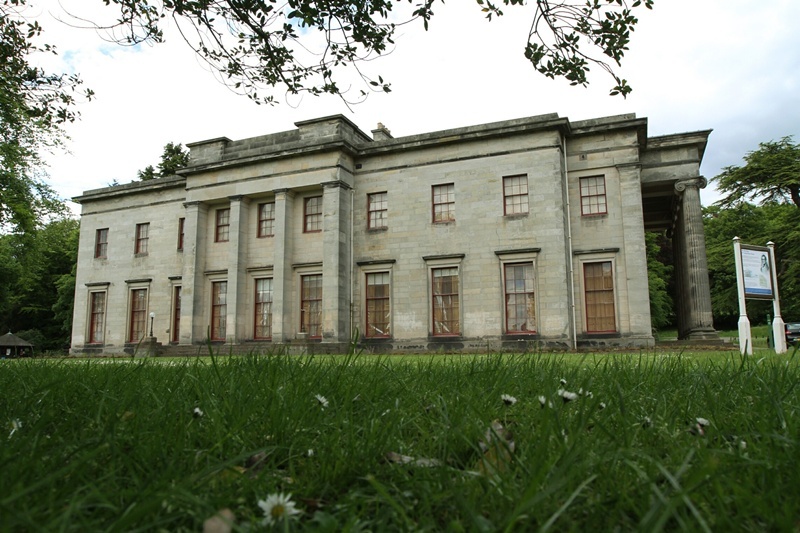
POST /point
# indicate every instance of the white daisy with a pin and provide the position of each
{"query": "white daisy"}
(277, 507)
(197, 412)
(508, 399)
(702, 421)
(602, 405)
(323, 401)
(16, 425)
(563, 381)
(542, 401)
(567, 396)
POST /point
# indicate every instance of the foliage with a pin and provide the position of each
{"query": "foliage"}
(771, 174)
(305, 46)
(33, 106)
(38, 280)
(658, 279)
(653, 442)
(757, 225)
(174, 158)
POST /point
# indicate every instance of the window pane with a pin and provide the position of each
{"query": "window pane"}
(446, 310)
(312, 214)
(219, 309)
(97, 321)
(515, 194)
(311, 305)
(138, 326)
(222, 233)
(593, 195)
(378, 321)
(263, 309)
(599, 281)
(520, 300)
(266, 219)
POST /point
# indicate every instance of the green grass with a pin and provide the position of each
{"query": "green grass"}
(115, 445)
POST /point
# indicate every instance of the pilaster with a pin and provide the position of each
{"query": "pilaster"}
(337, 261)
(236, 321)
(282, 267)
(194, 250)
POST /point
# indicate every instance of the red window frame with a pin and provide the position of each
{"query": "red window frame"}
(515, 195)
(181, 224)
(138, 317)
(443, 203)
(266, 219)
(142, 238)
(97, 318)
(378, 305)
(598, 280)
(176, 313)
(101, 243)
(445, 302)
(377, 210)
(593, 196)
(263, 309)
(311, 305)
(219, 310)
(520, 298)
(312, 214)
(222, 227)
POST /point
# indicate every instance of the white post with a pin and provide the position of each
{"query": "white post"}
(745, 339)
(778, 334)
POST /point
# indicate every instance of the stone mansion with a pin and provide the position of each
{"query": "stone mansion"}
(505, 236)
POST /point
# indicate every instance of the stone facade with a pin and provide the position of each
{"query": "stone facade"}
(514, 235)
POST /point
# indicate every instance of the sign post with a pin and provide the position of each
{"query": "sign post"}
(756, 278)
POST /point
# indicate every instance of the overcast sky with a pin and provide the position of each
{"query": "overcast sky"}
(728, 65)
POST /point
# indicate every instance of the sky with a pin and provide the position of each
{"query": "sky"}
(731, 66)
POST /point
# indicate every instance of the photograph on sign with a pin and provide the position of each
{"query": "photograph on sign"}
(757, 273)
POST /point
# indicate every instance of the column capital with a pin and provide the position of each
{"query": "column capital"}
(699, 182)
(336, 184)
(239, 198)
(286, 193)
(192, 204)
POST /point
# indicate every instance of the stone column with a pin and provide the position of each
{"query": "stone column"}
(236, 320)
(695, 320)
(336, 250)
(282, 329)
(194, 246)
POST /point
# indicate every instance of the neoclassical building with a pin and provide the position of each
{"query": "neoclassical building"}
(505, 236)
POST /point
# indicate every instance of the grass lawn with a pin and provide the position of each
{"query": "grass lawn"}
(584, 442)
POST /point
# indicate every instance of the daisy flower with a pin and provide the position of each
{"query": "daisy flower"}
(702, 421)
(197, 412)
(508, 399)
(567, 396)
(542, 401)
(277, 507)
(323, 401)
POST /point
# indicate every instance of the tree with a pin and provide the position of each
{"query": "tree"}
(771, 174)
(174, 158)
(658, 279)
(304, 45)
(37, 281)
(776, 222)
(33, 106)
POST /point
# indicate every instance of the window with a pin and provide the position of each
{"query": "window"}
(378, 311)
(138, 325)
(599, 282)
(97, 319)
(515, 195)
(520, 308)
(266, 219)
(219, 309)
(311, 305)
(445, 301)
(593, 196)
(223, 226)
(444, 203)
(377, 210)
(101, 243)
(312, 214)
(263, 311)
(142, 238)
(176, 314)
(181, 223)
